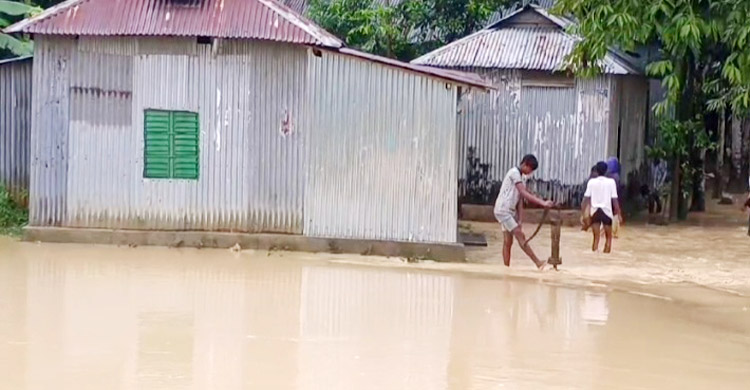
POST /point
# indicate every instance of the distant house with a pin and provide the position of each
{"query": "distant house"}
(235, 115)
(569, 123)
(15, 123)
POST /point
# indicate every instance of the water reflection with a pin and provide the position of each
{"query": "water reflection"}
(159, 319)
(595, 308)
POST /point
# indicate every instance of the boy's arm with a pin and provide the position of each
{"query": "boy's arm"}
(526, 194)
(616, 208)
(520, 211)
(585, 218)
(586, 196)
(585, 203)
(616, 205)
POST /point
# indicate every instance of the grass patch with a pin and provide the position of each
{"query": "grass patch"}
(13, 215)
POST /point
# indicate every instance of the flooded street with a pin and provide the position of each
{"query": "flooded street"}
(712, 250)
(95, 317)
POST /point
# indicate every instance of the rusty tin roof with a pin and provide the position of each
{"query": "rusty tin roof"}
(458, 77)
(250, 19)
(231, 19)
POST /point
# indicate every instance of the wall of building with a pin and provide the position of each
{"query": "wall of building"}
(634, 111)
(15, 124)
(373, 146)
(49, 131)
(566, 125)
(382, 160)
(250, 147)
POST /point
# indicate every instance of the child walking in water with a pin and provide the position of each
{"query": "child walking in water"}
(601, 197)
(509, 208)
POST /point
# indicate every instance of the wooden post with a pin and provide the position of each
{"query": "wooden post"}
(554, 258)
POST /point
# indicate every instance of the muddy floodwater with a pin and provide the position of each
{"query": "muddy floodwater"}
(94, 317)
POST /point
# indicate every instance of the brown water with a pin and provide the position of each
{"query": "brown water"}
(87, 317)
(712, 251)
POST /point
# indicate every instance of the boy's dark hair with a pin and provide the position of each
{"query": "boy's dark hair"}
(601, 168)
(531, 161)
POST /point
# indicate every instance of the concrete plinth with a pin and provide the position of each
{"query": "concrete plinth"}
(203, 239)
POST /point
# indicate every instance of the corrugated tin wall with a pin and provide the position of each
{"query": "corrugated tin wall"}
(566, 128)
(49, 131)
(249, 97)
(381, 141)
(382, 156)
(633, 113)
(615, 97)
(15, 124)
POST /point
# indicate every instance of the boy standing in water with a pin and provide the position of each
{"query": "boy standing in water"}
(509, 208)
(601, 196)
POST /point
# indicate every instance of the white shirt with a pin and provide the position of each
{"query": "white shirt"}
(507, 199)
(601, 190)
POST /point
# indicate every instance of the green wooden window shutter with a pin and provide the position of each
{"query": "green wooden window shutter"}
(185, 145)
(157, 164)
(171, 145)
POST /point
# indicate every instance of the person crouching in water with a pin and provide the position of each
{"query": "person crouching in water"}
(509, 208)
(601, 197)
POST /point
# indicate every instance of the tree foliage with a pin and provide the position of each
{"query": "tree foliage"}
(710, 35)
(704, 63)
(10, 12)
(402, 29)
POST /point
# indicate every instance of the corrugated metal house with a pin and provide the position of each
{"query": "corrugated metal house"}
(569, 123)
(15, 123)
(234, 115)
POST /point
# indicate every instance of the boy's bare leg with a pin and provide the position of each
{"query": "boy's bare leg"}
(507, 243)
(597, 232)
(521, 238)
(608, 236)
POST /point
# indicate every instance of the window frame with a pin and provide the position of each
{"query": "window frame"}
(189, 139)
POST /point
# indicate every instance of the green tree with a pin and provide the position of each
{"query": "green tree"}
(402, 29)
(444, 21)
(704, 65)
(368, 25)
(10, 12)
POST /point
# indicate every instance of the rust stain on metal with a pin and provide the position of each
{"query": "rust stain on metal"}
(286, 124)
(452, 75)
(101, 92)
